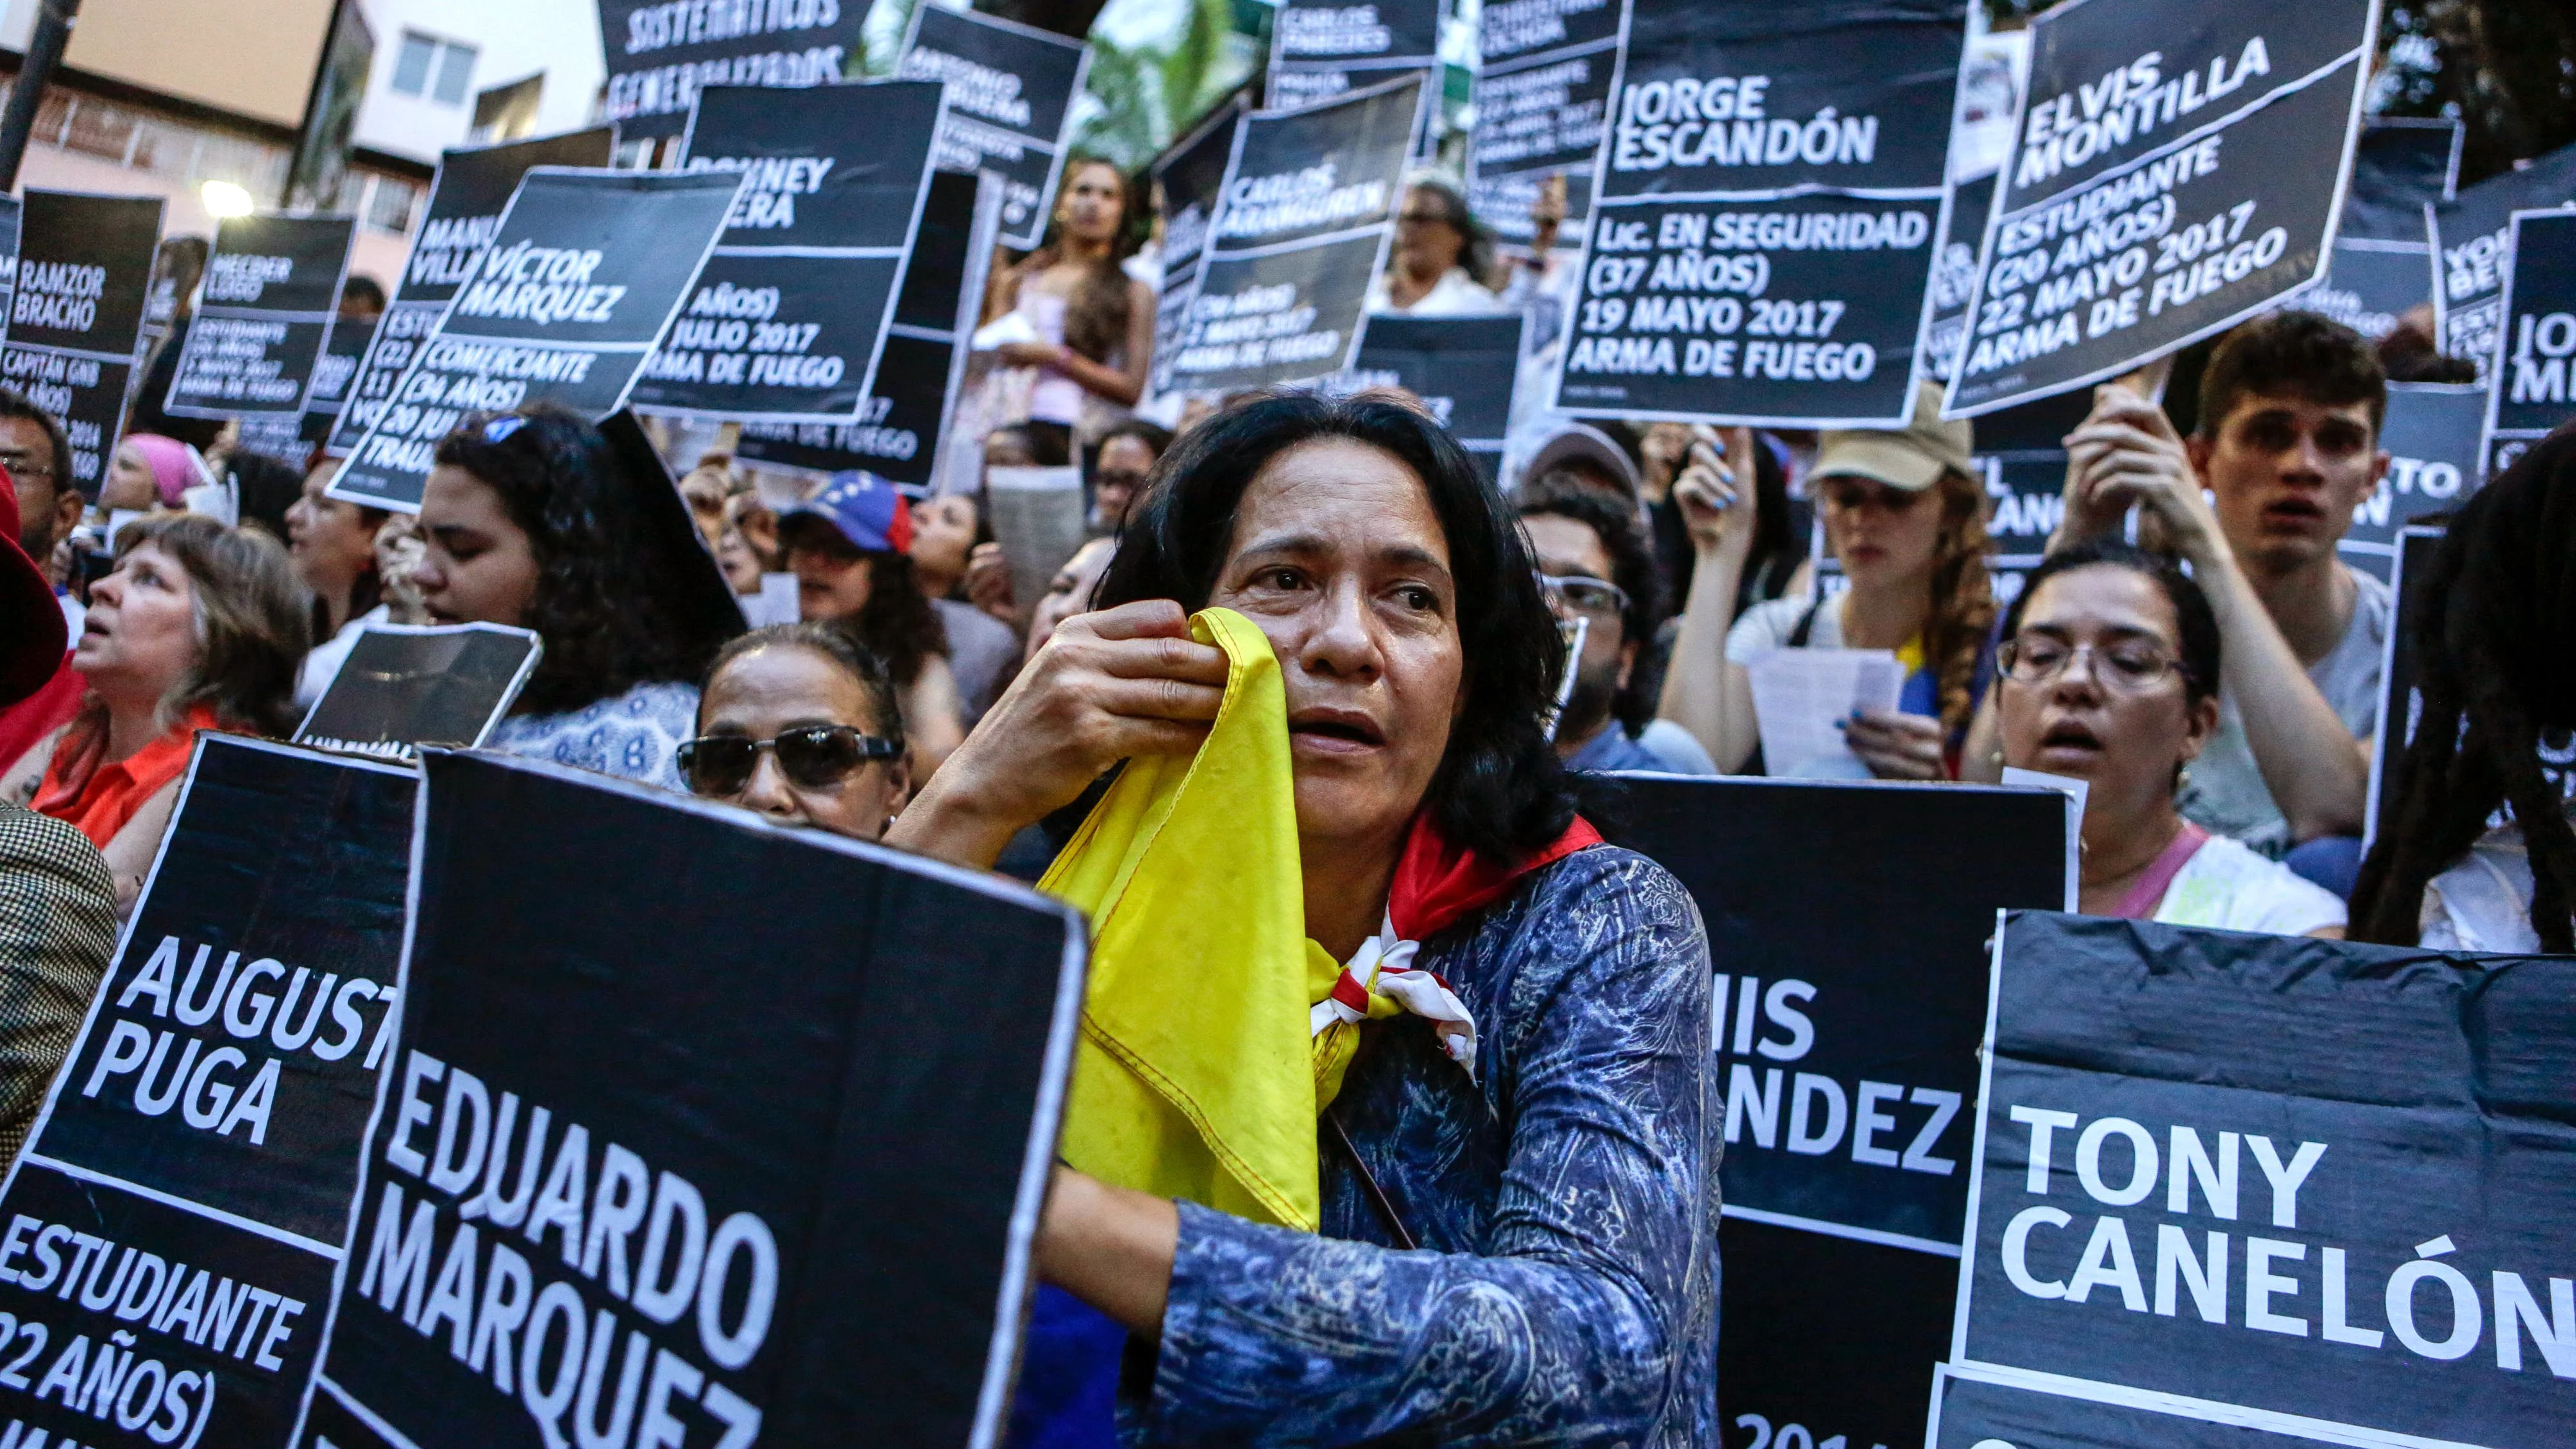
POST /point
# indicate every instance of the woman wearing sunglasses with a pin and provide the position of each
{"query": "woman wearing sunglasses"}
(799, 723)
(2110, 676)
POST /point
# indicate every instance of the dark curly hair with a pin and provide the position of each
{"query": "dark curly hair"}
(898, 624)
(1559, 494)
(2490, 624)
(1500, 790)
(607, 621)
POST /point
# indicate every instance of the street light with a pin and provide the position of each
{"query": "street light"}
(223, 198)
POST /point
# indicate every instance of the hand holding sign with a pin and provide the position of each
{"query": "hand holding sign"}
(1719, 515)
(2127, 452)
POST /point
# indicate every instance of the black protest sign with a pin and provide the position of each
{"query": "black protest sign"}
(2409, 565)
(9, 217)
(1462, 368)
(2431, 439)
(1977, 1409)
(76, 314)
(819, 1136)
(789, 317)
(173, 1223)
(463, 214)
(1954, 277)
(2531, 393)
(2382, 264)
(2473, 250)
(1542, 92)
(660, 54)
(401, 686)
(1765, 214)
(1302, 225)
(271, 287)
(1322, 49)
(574, 292)
(2306, 1185)
(2021, 458)
(1845, 1024)
(344, 347)
(696, 608)
(901, 430)
(2177, 170)
(1010, 101)
(1191, 176)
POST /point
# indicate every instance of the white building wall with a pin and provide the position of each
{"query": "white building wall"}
(512, 38)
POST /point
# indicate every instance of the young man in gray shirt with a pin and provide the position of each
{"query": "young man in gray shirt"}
(2287, 446)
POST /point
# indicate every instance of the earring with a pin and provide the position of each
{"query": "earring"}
(2182, 779)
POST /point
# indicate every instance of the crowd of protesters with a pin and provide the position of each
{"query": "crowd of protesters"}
(1456, 653)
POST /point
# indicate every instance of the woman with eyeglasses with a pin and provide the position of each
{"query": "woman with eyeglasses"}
(798, 722)
(2110, 676)
(1905, 517)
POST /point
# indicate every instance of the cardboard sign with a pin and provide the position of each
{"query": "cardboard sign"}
(10, 211)
(2383, 252)
(788, 319)
(770, 1173)
(1307, 211)
(1845, 1020)
(2431, 438)
(2179, 168)
(2304, 1186)
(1765, 213)
(2530, 393)
(402, 686)
(1542, 90)
(2399, 698)
(344, 348)
(1324, 49)
(660, 55)
(2473, 250)
(271, 289)
(2021, 458)
(466, 199)
(76, 315)
(173, 1224)
(1463, 369)
(1010, 104)
(1191, 177)
(577, 288)
(901, 431)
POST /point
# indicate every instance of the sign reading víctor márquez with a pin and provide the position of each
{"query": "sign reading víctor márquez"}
(2179, 167)
(1766, 207)
(2279, 1181)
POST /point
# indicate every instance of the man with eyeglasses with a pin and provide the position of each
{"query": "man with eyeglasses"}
(38, 458)
(2287, 446)
(1598, 571)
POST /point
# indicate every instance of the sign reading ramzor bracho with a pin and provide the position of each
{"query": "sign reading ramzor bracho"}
(575, 291)
(84, 264)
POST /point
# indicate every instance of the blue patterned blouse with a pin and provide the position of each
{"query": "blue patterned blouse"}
(1566, 1288)
(636, 735)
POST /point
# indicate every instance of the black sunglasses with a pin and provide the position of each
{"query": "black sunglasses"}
(815, 757)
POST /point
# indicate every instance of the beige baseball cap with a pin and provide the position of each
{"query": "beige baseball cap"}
(1912, 458)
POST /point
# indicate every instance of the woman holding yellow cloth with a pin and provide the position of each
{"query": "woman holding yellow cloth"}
(1393, 1119)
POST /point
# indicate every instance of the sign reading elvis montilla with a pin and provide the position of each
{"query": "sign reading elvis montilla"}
(576, 290)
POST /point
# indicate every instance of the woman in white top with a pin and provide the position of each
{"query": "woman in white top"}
(2496, 668)
(333, 543)
(2109, 675)
(1441, 258)
(531, 522)
(1094, 322)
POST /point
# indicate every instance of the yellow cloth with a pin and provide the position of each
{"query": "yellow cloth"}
(1910, 658)
(1198, 1074)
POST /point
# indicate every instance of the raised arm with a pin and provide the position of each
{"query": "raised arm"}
(1704, 691)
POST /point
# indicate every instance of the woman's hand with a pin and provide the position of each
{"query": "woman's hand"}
(1897, 746)
(1717, 507)
(1030, 354)
(1110, 1247)
(988, 583)
(1106, 686)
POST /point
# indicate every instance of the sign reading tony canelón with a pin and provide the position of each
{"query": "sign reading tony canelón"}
(466, 198)
(168, 1236)
(1765, 211)
(2178, 168)
(2277, 1182)
(575, 291)
(643, 1175)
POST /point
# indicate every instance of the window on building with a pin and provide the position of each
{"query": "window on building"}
(507, 113)
(434, 69)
